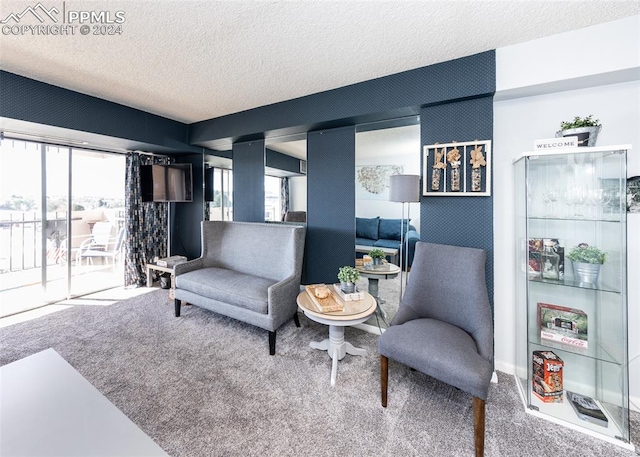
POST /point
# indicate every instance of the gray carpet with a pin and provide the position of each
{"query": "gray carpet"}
(204, 385)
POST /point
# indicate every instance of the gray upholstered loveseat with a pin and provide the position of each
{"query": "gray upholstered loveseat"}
(248, 271)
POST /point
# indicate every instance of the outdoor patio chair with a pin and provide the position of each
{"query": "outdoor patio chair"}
(97, 251)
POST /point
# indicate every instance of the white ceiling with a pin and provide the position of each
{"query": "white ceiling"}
(195, 60)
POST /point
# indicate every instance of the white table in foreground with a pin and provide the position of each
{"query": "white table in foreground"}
(48, 408)
(355, 312)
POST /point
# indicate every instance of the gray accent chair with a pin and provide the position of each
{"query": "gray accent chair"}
(247, 271)
(444, 325)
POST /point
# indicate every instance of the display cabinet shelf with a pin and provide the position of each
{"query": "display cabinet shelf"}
(572, 219)
(595, 350)
(572, 341)
(603, 287)
(563, 414)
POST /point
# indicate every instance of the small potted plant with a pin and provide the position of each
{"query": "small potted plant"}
(377, 255)
(586, 261)
(585, 128)
(348, 277)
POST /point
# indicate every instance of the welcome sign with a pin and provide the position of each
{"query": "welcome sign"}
(556, 143)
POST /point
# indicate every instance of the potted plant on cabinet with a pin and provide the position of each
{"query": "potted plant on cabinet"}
(348, 277)
(586, 261)
(586, 129)
(377, 255)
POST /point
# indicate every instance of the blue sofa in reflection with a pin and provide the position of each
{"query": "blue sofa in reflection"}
(385, 233)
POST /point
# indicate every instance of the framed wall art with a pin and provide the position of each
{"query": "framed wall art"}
(460, 169)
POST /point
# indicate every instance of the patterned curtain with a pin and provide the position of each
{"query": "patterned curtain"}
(146, 223)
(284, 196)
(207, 211)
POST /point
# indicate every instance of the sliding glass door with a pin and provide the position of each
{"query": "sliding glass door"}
(21, 208)
(55, 226)
(51, 198)
(97, 221)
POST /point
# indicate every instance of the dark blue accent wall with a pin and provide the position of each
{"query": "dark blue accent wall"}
(331, 203)
(248, 181)
(275, 159)
(28, 100)
(39, 107)
(460, 221)
(389, 97)
(454, 99)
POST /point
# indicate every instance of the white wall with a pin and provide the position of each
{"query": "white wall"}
(609, 50)
(530, 105)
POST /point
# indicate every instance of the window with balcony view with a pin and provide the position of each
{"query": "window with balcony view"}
(61, 223)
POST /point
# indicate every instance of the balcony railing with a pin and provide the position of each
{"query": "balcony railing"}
(21, 238)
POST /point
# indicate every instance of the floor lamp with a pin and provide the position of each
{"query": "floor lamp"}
(404, 189)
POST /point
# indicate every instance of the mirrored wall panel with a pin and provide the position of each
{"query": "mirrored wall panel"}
(286, 180)
(218, 188)
(391, 228)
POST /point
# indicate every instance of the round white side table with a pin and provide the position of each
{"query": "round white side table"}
(355, 312)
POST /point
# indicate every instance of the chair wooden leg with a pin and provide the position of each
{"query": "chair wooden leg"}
(176, 303)
(296, 319)
(384, 378)
(272, 343)
(478, 425)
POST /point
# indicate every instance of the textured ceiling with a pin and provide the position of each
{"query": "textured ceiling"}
(195, 60)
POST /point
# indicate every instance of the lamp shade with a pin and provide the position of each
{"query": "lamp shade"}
(404, 188)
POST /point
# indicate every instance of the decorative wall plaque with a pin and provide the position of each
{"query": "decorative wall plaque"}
(457, 169)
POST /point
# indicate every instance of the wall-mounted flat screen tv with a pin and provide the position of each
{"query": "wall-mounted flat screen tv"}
(166, 183)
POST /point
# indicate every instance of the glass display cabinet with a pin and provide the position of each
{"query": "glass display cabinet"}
(571, 291)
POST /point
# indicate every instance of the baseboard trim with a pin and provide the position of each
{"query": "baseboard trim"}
(369, 328)
(504, 367)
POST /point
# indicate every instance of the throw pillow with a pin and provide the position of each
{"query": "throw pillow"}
(367, 228)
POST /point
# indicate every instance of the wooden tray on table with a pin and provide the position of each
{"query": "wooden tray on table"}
(324, 305)
(333, 301)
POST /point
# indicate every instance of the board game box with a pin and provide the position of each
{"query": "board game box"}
(547, 376)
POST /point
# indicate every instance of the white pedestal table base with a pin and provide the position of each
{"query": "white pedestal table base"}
(337, 348)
